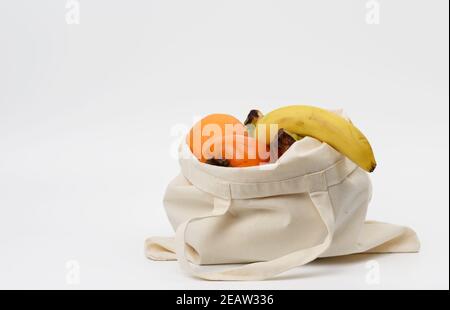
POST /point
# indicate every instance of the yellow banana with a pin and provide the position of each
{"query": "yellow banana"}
(321, 124)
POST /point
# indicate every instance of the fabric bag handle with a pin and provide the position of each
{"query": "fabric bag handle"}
(259, 270)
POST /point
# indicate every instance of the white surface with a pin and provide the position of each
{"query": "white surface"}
(86, 113)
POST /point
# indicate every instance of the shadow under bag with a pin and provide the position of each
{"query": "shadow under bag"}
(312, 203)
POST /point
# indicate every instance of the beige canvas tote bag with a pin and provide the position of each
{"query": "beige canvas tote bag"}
(311, 203)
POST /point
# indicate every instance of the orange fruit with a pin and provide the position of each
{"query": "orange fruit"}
(236, 151)
(211, 127)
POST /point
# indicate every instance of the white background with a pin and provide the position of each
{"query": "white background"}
(86, 113)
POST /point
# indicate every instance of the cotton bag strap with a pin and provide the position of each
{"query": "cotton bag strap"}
(262, 270)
